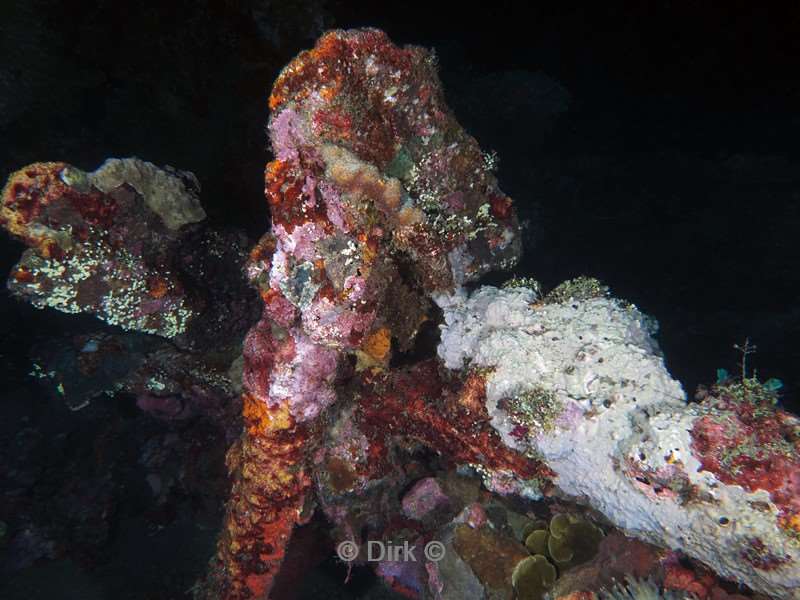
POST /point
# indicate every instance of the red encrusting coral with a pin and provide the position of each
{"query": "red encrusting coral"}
(265, 505)
(372, 132)
(418, 403)
(697, 582)
(747, 441)
(37, 194)
(682, 579)
(289, 201)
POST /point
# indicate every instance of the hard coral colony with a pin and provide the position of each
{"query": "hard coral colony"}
(382, 209)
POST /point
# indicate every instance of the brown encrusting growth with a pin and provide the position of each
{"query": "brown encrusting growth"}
(266, 502)
(448, 416)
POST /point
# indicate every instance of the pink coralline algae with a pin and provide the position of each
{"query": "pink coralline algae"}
(425, 497)
(305, 380)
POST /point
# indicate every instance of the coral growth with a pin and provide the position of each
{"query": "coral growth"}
(123, 243)
(625, 441)
(378, 199)
(532, 577)
(568, 540)
(97, 241)
(382, 208)
(744, 439)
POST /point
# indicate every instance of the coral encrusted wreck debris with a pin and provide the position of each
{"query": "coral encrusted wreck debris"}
(625, 441)
(125, 243)
(379, 199)
(534, 408)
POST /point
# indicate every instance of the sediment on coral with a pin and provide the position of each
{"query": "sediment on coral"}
(717, 480)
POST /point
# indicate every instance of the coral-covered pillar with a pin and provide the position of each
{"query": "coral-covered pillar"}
(378, 200)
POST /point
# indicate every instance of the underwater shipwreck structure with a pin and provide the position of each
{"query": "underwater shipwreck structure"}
(567, 456)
